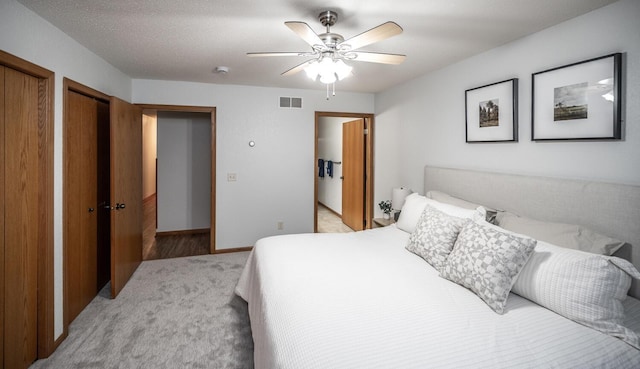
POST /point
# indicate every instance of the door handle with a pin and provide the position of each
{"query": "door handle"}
(91, 210)
(120, 206)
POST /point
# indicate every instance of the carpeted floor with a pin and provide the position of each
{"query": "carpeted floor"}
(173, 313)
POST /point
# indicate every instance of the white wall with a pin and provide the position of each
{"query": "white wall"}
(275, 178)
(149, 152)
(26, 35)
(330, 148)
(184, 171)
(423, 121)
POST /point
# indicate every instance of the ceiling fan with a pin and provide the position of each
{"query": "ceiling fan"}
(330, 50)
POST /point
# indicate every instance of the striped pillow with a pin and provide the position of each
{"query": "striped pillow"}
(584, 287)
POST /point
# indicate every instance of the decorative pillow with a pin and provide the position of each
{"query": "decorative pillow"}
(434, 236)
(586, 288)
(414, 206)
(411, 210)
(566, 235)
(487, 261)
(448, 199)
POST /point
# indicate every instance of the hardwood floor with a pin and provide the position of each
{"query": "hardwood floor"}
(165, 247)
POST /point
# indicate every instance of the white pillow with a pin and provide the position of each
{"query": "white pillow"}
(434, 236)
(414, 206)
(448, 199)
(565, 235)
(584, 287)
(411, 210)
(487, 261)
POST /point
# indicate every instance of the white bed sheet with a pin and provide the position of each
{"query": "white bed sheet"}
(360, 300)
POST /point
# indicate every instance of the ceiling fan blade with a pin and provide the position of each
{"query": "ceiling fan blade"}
(378, 57)
(305, 32)
(301, 53)
(297, 68)
(375, 34)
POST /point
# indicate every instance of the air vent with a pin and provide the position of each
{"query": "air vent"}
(291, 102)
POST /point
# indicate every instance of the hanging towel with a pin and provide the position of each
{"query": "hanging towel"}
(330, 168)
(321, 168)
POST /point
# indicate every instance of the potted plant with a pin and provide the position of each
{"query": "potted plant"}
(385, 206)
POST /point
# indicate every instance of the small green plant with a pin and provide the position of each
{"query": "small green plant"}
(385, 206)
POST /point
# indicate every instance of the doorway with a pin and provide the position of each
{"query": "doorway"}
(179, 185)
(343, 179)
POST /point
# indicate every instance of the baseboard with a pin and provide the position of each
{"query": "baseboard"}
(237, 249)
(57, 342)
(183, 232)
(331, 210)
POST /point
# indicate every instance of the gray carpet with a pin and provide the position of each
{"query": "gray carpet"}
(173, 313)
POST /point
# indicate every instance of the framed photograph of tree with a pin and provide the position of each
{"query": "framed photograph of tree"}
(492, 112)
(579, 101)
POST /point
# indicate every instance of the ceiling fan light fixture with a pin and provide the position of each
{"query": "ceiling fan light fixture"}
(342, 69)
(328, 69)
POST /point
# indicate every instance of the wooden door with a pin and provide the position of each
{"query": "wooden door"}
(21, 195)
(2, 194)
(353, 164)
(126, 192)
(81, 202)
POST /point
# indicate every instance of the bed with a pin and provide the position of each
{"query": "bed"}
(363, 300)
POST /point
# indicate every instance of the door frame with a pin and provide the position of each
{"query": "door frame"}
(45, 265)
(198, 109)
(69, 85)
(369, 156)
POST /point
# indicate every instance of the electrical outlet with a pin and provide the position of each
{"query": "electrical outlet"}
(232, 177)
(280, 225)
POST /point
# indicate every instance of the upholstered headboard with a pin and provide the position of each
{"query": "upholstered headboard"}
(611, 209)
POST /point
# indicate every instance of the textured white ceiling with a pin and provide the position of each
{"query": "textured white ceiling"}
(186, 39)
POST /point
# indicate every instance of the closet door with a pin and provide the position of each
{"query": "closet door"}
(2, 194)
(81, 224)
(126, 192)
(21, 136)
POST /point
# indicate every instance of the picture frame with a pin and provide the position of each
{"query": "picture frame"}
(579, 101)
(492, 112)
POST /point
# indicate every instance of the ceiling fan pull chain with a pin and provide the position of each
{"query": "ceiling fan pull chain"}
(334, 88)
(327, 91)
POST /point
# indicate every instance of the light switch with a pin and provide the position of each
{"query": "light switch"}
(231, 177)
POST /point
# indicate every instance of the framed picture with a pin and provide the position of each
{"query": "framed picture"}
(492, 112)
(579, 101)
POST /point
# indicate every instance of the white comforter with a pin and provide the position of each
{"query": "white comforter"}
(360, 300)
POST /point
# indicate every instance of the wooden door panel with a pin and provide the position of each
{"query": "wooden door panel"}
(353, 153)
(21, 186)
(73, 203)
(80, 222)
(2, 195)
(89, 193)
(126, 188)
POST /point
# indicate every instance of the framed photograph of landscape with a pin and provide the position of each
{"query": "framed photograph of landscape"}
(579, 101)
(492, 112)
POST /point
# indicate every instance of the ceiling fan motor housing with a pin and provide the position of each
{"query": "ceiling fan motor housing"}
(331, 39)
(328, 18)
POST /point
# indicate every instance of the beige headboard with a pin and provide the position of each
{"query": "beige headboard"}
(611, 209)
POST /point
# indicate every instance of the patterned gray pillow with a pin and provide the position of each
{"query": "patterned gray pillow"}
(487, 261)
(434, 236)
